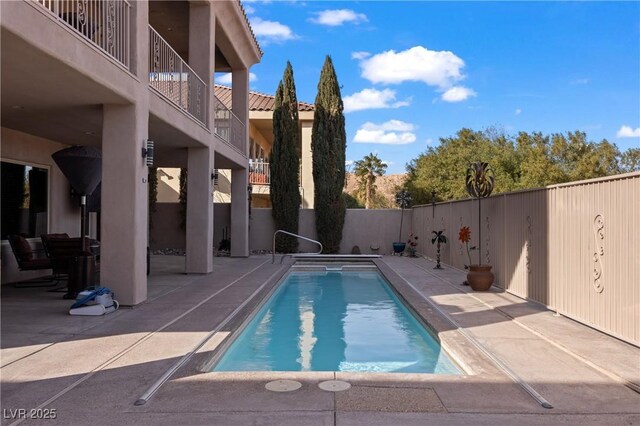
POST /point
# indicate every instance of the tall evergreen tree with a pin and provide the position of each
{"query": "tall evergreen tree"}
(328, 144)
(285, 162)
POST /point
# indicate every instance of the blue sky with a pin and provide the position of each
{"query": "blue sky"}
(412, 72)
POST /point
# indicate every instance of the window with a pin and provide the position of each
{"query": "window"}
(25, 199)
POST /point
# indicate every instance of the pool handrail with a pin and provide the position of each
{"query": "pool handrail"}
(282, 231)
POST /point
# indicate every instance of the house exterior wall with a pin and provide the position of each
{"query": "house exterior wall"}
(572, 247)
(125, 111)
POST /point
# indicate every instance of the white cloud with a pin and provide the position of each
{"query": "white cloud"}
(360, 55)
(580, 81)
(249, 10)
(271, 30)
(392, 132)
(628, 132)
(518, 111)
(373, 99)
(337, 17)
(458, 94)
(226, 78)
(435, 68)
(391, 125)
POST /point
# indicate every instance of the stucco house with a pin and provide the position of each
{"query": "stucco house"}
(114, 75)
(261, 107)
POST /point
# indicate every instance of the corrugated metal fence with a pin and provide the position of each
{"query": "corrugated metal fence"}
(574, 247)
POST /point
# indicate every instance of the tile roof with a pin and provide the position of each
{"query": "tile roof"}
(246, 18)
(257, 101)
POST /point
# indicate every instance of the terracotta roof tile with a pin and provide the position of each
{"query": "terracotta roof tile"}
(257, 101)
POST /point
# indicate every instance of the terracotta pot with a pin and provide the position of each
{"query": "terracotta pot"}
(480, 277)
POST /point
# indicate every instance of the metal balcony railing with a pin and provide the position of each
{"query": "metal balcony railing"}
(106, 24)
(170, 75)
(259, 173)
(228, 127)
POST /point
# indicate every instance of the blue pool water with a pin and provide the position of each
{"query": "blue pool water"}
(335, 321)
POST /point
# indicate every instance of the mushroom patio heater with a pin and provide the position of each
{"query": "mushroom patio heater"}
(82, 166)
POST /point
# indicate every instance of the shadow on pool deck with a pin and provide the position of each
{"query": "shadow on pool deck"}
(92, 369)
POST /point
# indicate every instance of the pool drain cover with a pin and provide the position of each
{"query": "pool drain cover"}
(283, 385)
(334, 385)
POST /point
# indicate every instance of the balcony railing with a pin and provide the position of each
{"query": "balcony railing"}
(104, 23)
(259, 173)
(229, 127)
(170, 75)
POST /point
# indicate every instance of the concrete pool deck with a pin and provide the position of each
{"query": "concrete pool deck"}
(91, 370)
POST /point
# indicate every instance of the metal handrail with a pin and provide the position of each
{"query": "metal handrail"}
(281, 231)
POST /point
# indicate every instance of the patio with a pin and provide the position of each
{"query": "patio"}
(93, 369)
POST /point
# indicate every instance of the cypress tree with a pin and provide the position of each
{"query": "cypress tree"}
(285, 162)
(329, 144)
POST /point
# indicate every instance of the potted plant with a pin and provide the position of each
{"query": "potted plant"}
(479, 276)
(403, 200)
(438, 238)
(412, 243)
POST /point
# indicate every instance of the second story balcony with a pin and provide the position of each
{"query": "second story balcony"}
(228, 127)
(104, 24)
(170, 75)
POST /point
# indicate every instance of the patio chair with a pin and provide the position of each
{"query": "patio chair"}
(29, 259)
(59, 266)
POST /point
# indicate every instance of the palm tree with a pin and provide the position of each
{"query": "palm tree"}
(367, 170)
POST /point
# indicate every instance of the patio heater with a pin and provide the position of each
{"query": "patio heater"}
(82, 166)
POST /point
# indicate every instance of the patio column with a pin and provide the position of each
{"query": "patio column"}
(199, 211)
(124, 199)
(239, 213)
(240, 177)
(124, 203)
(307, 166)
(202, 32)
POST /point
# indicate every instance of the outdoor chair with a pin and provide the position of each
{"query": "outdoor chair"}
(30, 259)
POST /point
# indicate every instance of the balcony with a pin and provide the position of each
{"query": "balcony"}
(105, 24)
(172, 78)
(259, 173)
(229, 128)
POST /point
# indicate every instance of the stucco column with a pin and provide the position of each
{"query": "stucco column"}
(307, 166)
(124, 199)
(124, 203)
(239, 213)
(199, 211)
(202, 46)
(240, 176)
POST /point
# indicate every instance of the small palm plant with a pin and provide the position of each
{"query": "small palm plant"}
(438, 238)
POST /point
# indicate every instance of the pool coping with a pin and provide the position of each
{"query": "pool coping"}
(458, 348)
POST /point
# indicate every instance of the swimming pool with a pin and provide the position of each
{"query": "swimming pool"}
(335, 321)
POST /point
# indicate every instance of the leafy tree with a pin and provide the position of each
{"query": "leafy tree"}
(285, 162)
(367, 170)
(529, 160)
(328, 145)
(630, 160)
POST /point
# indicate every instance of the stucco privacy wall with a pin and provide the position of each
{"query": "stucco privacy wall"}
(364, 228)
(64, 215)
(573, 247)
